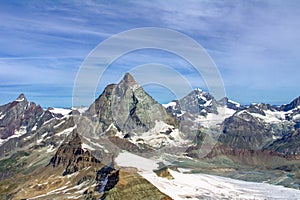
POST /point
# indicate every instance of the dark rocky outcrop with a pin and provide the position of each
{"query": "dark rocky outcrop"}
(288, 145)
(107, 177)
(164, 173)
(230, 104)
(73, 157)
(294, 104)
(244, 131)
(255, 109)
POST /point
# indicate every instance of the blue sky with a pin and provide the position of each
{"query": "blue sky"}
(255, 45)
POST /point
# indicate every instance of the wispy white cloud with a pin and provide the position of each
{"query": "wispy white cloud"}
(255, 44)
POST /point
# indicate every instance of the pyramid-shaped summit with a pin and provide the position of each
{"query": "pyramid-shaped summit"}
(128, 107)
(128, 78)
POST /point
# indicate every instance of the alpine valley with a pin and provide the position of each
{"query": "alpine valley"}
(128, 146)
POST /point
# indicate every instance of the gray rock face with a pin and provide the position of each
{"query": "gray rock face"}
(261, 108)
(107, 177)
(199, 103)
(25, 125)
(288, 145)
(256, 109)
(244, 131)
(294, 104)
(250, 128)
(230, 104)
(128, 107)
(294, 116)
(196, 102)
(100, 111)
(19, 115)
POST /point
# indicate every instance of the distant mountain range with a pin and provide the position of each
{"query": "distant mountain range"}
(73, 154)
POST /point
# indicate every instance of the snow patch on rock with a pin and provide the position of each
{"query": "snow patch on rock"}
(170, 104)
(161, 135)
(19, 100)
(63, 111)
(212, 119)
(85, 146)
(2, 116)
(271, 116)
(51, 149)
(235, 103)
(66, 131)
(19, 132)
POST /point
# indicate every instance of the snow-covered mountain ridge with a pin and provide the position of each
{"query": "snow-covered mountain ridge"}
(84, 148)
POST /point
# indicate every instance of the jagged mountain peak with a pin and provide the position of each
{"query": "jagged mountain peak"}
(127, 85)
(225, 101)
(198, 89)
(201, 95)
(18, 117)
(127, 82)
(128, 78)
(195, 102)
(72, 156)
(128, 107)
(294, 104)
(21, 97)
(201, 102)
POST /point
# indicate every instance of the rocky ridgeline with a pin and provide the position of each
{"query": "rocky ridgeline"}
(23, 124)
(120, 116)
(126, 108)
(254, 127)
(18, 116)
